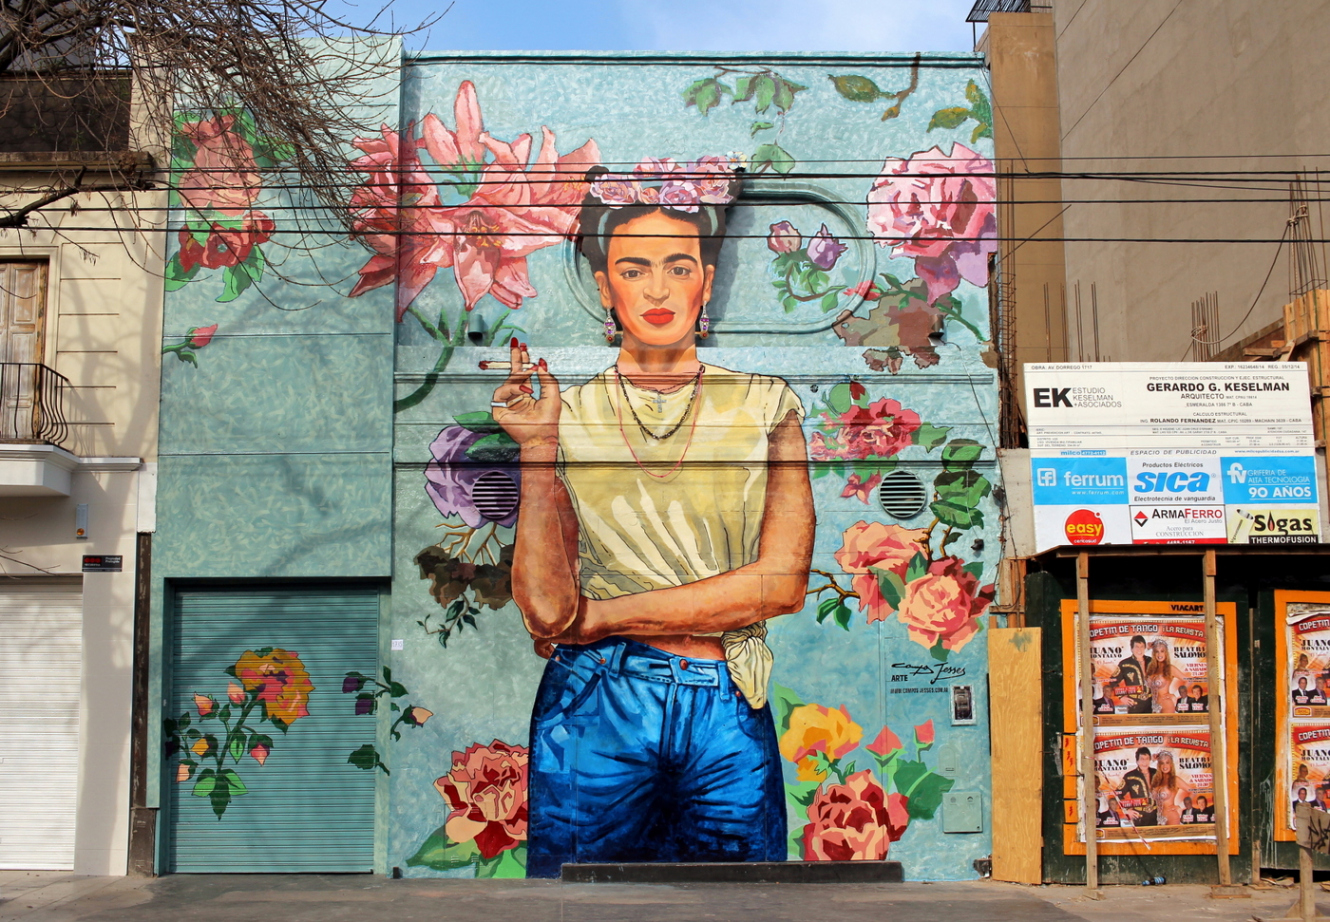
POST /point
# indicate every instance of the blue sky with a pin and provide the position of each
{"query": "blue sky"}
(692, 25)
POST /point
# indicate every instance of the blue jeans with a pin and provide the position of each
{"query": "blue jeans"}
(641, 755)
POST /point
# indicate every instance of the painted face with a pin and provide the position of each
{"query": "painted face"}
(655, 280)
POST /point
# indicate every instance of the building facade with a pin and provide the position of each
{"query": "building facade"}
(357, 648)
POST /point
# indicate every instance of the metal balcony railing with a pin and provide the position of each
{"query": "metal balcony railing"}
(32, 404)
(982, 9)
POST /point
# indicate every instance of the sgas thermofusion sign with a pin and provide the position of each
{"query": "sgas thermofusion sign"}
(1149, 453)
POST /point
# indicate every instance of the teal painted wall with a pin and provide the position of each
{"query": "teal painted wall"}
(282, 456)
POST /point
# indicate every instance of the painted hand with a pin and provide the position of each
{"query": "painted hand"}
(527, 419)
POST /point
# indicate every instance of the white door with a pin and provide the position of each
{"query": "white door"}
(41, 658)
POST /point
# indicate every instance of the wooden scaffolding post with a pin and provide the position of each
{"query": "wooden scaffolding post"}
(1218, 741)
(1089, 780)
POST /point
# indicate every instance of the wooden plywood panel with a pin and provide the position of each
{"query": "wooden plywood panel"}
(1014, 679)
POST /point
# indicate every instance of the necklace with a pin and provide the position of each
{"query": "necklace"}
(660, 404)
(618, 412)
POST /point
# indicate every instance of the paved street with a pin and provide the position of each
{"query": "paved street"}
(52, 897)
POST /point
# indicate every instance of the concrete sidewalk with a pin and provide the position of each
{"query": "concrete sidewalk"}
(52, 897)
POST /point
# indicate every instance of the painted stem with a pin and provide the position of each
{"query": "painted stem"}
(831, 584)
(432, 378)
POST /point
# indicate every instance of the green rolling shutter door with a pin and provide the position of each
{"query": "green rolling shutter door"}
(304, 808)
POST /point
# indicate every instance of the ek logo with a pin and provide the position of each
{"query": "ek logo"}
(1052, 397)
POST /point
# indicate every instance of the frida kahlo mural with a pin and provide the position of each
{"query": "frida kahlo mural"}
(692, 522)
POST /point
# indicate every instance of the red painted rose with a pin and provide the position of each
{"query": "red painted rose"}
(944, 605)
(854, 821)
(487, 791)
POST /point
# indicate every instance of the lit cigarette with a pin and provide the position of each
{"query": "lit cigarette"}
(505, 366)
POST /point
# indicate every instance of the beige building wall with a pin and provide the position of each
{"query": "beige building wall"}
(103, 332)
(1184, 86)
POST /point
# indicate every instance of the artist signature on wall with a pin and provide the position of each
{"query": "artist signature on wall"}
(935, 672)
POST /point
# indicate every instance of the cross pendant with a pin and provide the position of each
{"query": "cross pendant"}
(659, 401)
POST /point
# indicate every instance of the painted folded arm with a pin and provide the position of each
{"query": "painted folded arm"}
(774, 584)
(544, 574)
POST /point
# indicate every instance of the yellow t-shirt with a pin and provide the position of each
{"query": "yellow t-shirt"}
(700, 515)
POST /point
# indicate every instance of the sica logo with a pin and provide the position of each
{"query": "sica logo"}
(1172, 482)
(1084, 527)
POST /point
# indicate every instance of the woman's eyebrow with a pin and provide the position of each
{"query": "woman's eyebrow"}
(634, 260)
(679, 256)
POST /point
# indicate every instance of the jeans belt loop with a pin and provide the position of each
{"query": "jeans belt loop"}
(615, 657)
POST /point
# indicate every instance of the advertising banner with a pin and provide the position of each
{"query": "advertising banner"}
(1154, 784)
(1149, 671)
(1309, 766)
(1171, 453)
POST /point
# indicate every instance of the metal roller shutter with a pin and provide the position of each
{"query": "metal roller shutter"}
(303, 808)
(41, 669)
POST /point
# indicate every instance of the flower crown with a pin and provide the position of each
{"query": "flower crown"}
(663, 182)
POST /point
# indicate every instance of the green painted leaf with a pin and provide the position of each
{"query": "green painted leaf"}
(441, 854)
(773, 157)
(826, 607)
(705, 94)
(365, 758)
(939, 652)
(855, 88)
(839, 399)
(220, 797)
(206, 782)
(962, 488)
(237, 748)
(234, 785)
(930, 436)
(842, 615)
(254, 264)
(802, 792)
(948, 118)
(397, 689)
(973, 93)
(765, 89)
(784, 96)
(960, 454)
(891, 586)
(917, 568)
(175, 277)
(743, 89)
(925, 794)
(236, 280)
(891, 112)
(785, 701)
(475, 422)
(956, 516)
(830, 300)
(975, 569)
(982, 130)
(759, 126)
(820, 471)
(509, 864)
(497, 446)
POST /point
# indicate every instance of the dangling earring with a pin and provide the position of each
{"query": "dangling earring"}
(703, 323)
(611, 330)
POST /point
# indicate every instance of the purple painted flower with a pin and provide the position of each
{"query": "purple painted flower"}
(352, 683)
(655, 167)
(364, 706)
(615, 190)
(825, 249)
(475, 492)
(784, 238)
(681, 195)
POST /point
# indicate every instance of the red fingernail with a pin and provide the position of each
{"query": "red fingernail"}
(513, 344)
(524, 347)
(543, 366)
(526, 390)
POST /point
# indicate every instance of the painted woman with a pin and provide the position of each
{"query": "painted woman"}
(666, 514)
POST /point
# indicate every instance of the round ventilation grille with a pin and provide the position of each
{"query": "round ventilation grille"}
(902, 494)
(495, 495)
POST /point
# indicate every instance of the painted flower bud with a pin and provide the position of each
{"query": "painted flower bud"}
(204, 704)
(364, 705)
(201, 336)
(352, 683)
(416, 716)
(260, 752)
(824, 249)
(784, 238)
(235, 693)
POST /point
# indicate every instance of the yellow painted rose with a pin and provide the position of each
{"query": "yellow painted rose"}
(282, 680)
(813, 729)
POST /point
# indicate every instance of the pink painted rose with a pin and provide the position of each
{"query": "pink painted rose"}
(881, 547)
(784, 237)
(939, 209)
(886, 745)
(854, 821)
(615, 190)
(233, 691)
(487, 791)
(944, 605)
(881, 429)
(225, 176)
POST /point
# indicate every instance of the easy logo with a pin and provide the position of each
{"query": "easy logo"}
(1084, 527)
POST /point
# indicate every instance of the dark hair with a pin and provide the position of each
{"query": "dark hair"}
(1197, 688)
(1143, 751)
(1137, 639)
(598, 222)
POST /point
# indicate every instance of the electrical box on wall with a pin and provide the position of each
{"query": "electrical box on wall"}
(962, 811)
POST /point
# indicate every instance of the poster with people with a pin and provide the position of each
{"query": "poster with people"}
(1149, 672)
(1308, 659)
(1309, 767)
(1154, 784)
